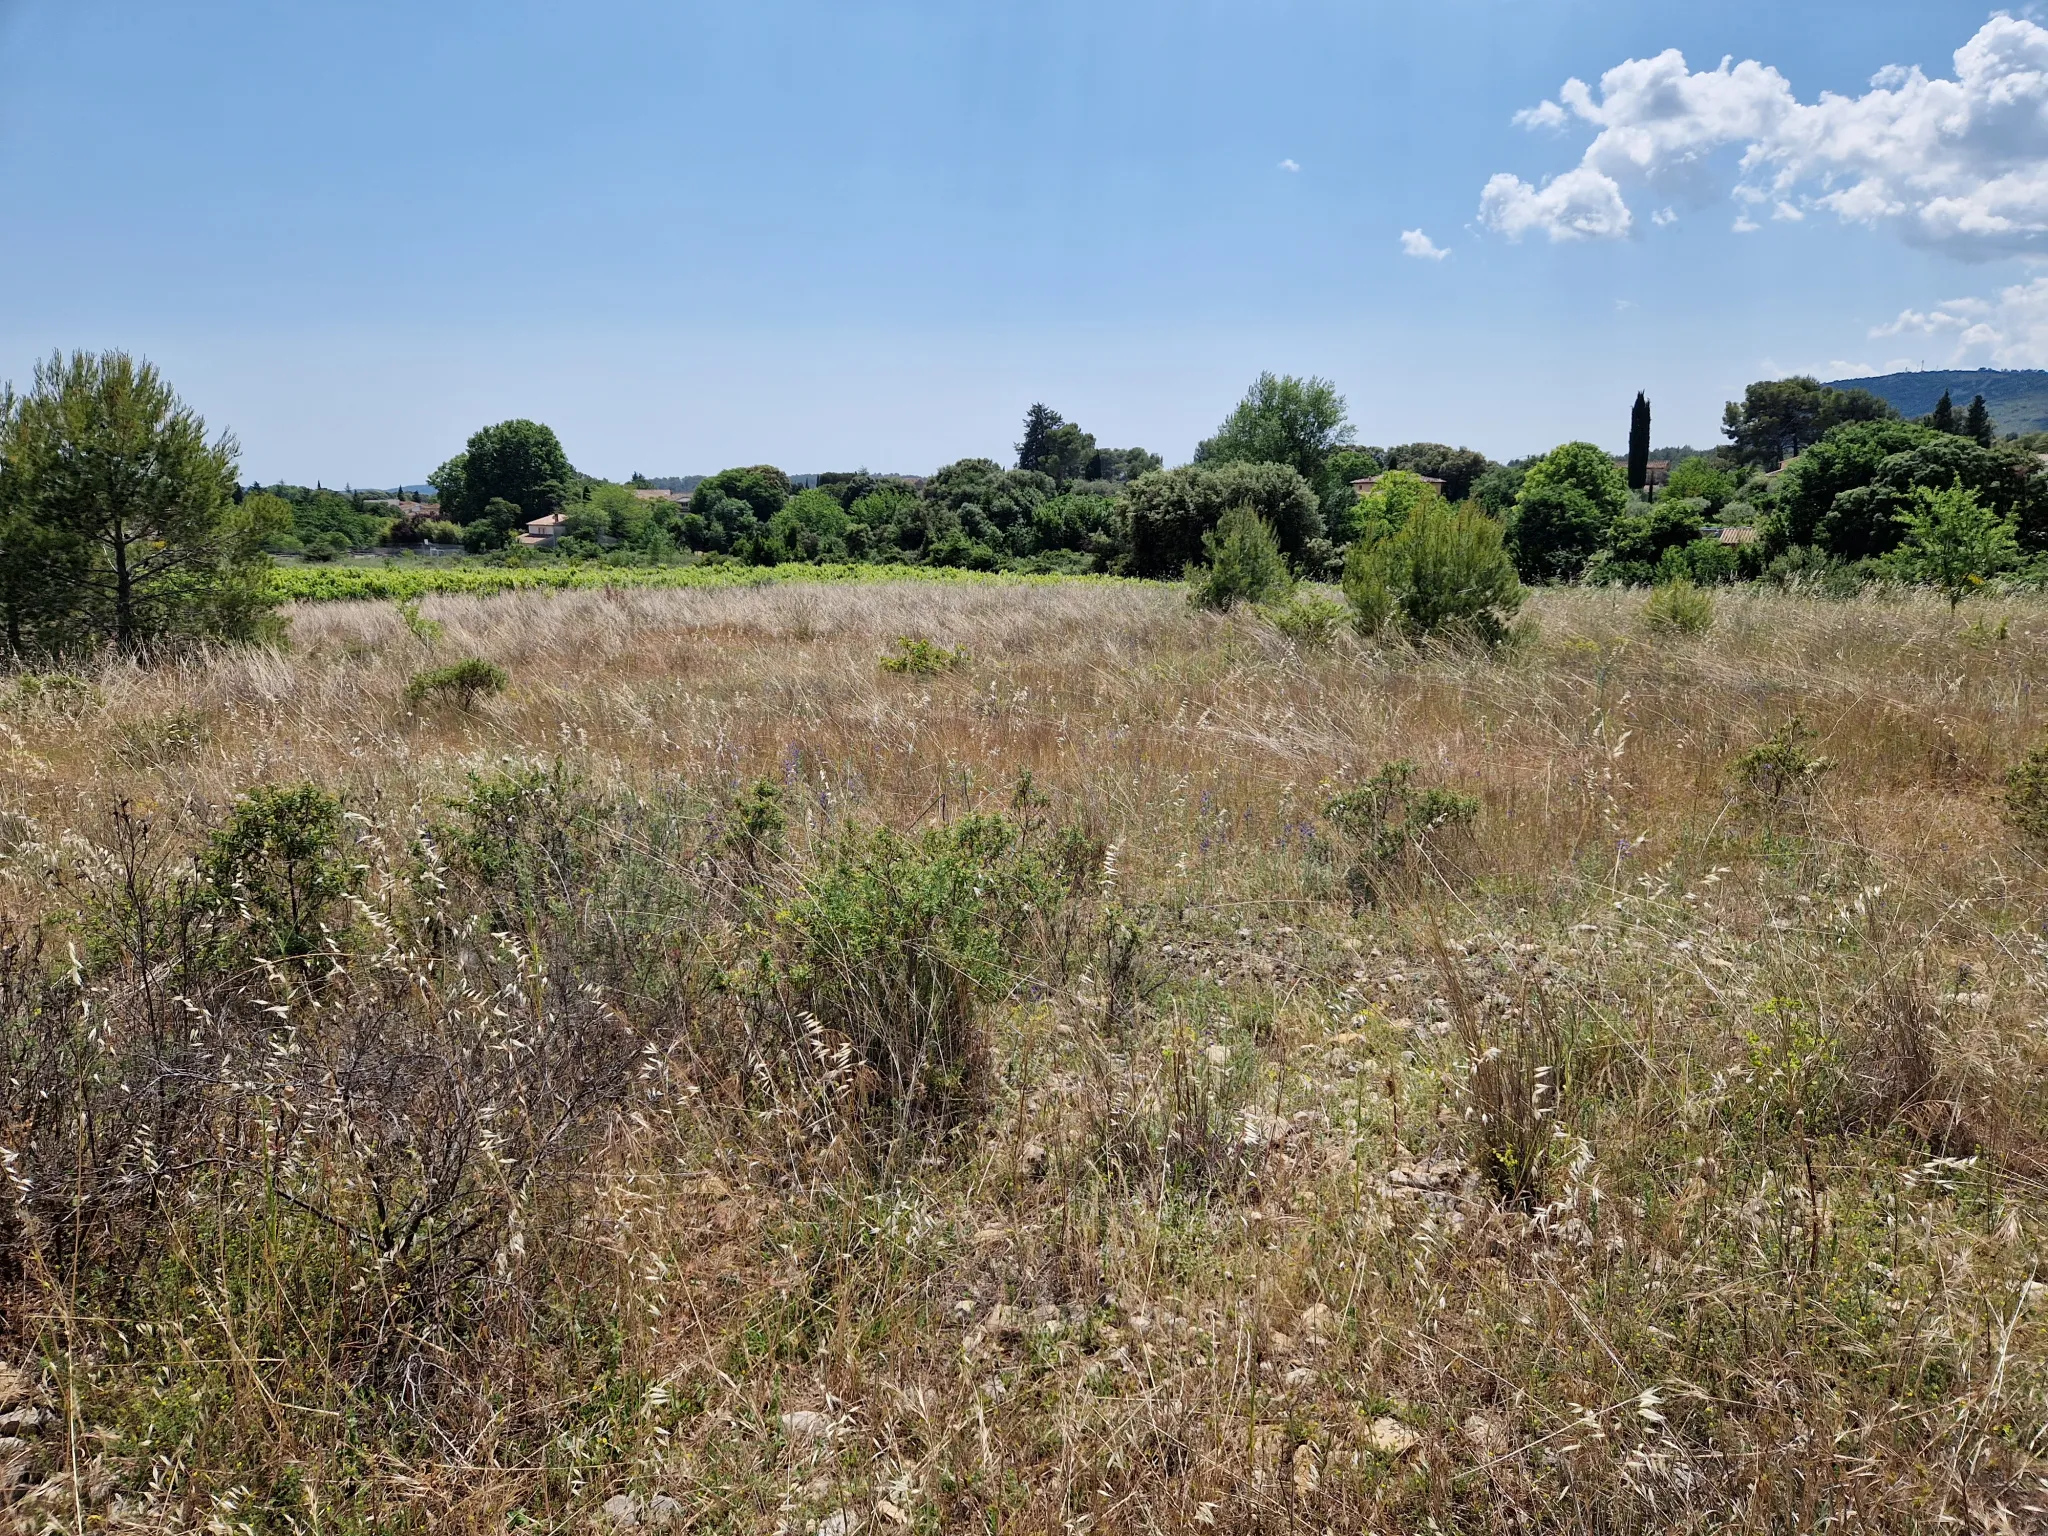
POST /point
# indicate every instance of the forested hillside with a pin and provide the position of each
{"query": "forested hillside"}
(2016, 397)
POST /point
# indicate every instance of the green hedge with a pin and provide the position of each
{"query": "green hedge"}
(333, 584)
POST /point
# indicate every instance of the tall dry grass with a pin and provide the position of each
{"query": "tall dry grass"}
(1662, 1156)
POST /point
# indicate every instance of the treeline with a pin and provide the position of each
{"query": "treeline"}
(1063, 505)
(122, 522)
(1813, 483)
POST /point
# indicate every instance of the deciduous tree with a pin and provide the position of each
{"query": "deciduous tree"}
(1282, 420)
(1954, 542)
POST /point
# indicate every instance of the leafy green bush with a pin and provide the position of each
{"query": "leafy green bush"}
(2026, 797)
(898, 944)
(524, 834)
(280, 862)
(1442, 573)
(1168, 512)
(427, 631)
(922, 658)
(1310, 620)
(1392, 824)
(1245, 564)
(1779, 773)
(463, 681)
(1679, 608)
(1954, 542)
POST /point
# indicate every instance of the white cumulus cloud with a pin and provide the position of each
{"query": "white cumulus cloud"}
(1415, 243)
(1957, 164)
(2009, 330)
(1579, 205)
(1289, 165)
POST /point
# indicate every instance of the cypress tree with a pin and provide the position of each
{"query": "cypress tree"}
(1944, 417)
(1639, 443)
(1977, 424)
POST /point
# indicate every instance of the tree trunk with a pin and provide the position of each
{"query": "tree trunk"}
(124, 594)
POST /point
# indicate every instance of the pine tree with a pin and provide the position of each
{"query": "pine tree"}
(1944, 417)
(1977, 424)
(1639, 443)
(1040, 422)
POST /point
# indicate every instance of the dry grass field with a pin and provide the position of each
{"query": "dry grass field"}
(720, 1084)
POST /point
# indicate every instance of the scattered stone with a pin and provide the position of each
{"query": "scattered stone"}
(1036, 1160)
(1318, 1321)
(845, 1523)
(1488, 1435)
(1436, 1181)
(1390, 1437)
(808, 1424)
(629, 1512)
(891, 1513)
(16, 1387)
(1308, 1471)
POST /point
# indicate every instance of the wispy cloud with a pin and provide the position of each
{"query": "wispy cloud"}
(1289, 166)
(1415, 243)
(2008, 330)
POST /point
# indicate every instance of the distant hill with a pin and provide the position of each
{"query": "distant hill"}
(2017, 397)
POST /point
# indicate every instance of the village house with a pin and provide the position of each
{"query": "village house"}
(543, 531)
(1657, 473)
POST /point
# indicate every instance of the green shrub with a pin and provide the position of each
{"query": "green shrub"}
(463, 681)
(1311, 621)
(1245, 564)
(427, 631)
(1444, 572)
(523, 833)
(1392, 824)
(280, 862)
(898, 945)
(1679, 608)
(922, 658)
(2026, 797)
(55, 693)
(1779, 773)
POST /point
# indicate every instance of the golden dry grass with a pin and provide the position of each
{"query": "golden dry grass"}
(1774, 1071)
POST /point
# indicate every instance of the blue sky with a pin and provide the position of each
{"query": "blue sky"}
(828, 235)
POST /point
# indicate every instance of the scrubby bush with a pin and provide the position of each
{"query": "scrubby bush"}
(1442, 573)
(1245, 564)
(1679, 608)
(280, 864)
(465, 682)
(1310, 619)
(1391, 824)
(917, 657)
(896, 948)
(1168, 512)
(2026, 797)
(1780, 773)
